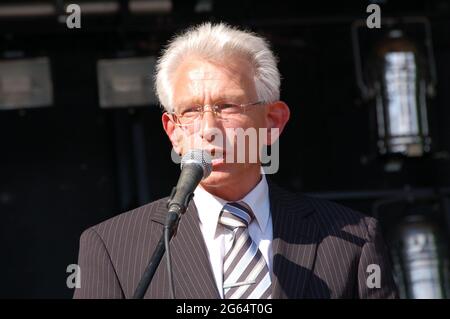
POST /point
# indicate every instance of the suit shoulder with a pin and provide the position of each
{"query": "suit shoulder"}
(332, 218)
(130, 220)
(328, 207)
(338, 218)
(322, 208)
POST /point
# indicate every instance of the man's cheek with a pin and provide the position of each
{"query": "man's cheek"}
(191, 141)
(177, 140)
(181, 141)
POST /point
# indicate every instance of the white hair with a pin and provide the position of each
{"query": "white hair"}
(217, 42)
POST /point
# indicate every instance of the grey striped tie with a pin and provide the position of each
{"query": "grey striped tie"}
(245, 271)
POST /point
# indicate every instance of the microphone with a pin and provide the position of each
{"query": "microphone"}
(195, 166)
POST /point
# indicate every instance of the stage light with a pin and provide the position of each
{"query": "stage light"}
(97, 7)
(398, 78)
(104, 7)
(420, 255)
(27, 9)
(149, 6)
(203, 6)
(126, 82)
(25, 83)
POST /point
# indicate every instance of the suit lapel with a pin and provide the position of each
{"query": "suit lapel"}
(190, 262)
(294, 246)
(294, 243)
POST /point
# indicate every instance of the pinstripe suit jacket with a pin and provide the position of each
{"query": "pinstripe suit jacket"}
(320, 250)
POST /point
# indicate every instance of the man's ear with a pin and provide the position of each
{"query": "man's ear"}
(172, 132)
(277, 116)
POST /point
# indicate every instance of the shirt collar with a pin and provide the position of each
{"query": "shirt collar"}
(210, 206)
(258, 200)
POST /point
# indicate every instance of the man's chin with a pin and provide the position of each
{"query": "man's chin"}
(225, 174)
(217, 178)
(222, 174)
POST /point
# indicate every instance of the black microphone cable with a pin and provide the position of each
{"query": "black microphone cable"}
(201, 159)
(169, 261)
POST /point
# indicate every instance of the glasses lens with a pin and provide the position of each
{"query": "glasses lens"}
(223, 111)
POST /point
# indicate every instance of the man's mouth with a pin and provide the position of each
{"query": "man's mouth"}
(217, 156)
(217, 161)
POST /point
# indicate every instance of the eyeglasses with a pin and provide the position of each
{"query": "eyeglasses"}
(223, 111)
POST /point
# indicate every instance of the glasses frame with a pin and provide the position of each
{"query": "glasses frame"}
(214, 110)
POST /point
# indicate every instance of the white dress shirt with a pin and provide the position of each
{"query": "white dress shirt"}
(218, 239)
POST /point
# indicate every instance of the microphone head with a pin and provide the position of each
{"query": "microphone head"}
(200, 157)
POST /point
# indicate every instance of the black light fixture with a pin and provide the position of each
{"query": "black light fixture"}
(25, 83)
(416, 222)
(149, 6)
(397, 76)
(126, 82)
(44, 8)
(420, 255)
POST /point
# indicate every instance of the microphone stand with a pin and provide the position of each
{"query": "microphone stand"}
(175, 210)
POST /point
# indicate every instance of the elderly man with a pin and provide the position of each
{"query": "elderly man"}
(241, 236)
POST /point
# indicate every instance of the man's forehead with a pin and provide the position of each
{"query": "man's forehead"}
(197, 66)
(204, 73)
(200, 70)
(198, 80)
(234, 96)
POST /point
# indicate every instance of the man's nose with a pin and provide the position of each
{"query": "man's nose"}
(209, 125)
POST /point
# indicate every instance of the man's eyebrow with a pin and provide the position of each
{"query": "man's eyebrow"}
(224, 98)
(230, 98)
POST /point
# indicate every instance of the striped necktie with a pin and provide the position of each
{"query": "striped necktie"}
(245, 271)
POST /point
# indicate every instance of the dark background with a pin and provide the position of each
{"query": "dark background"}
(68, 167)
